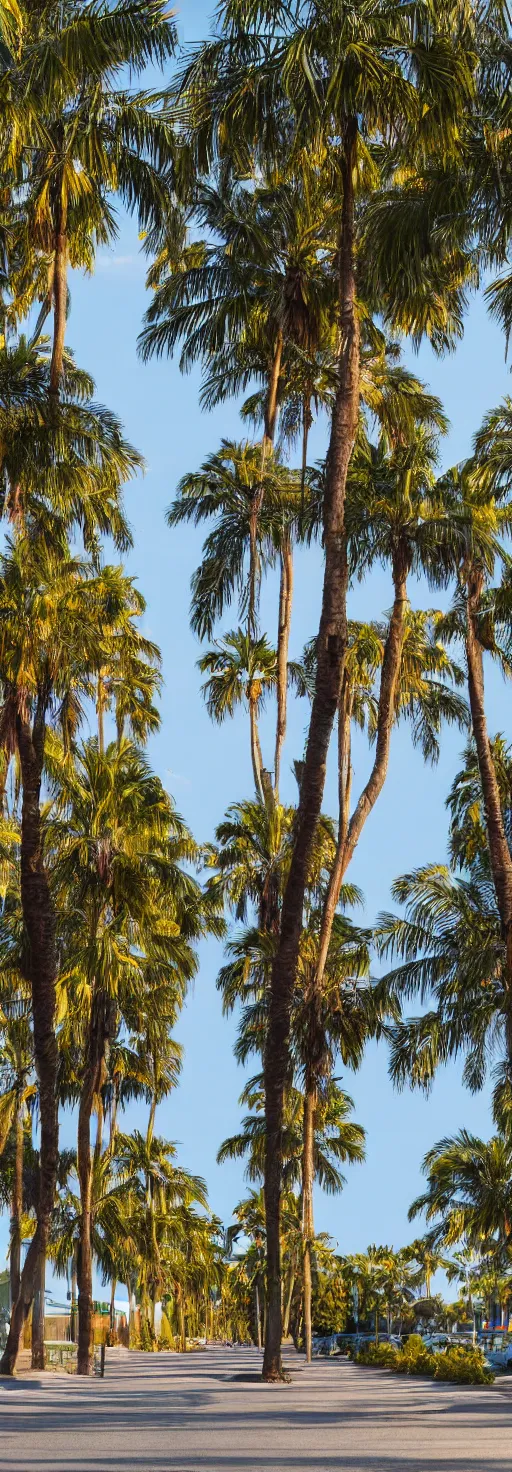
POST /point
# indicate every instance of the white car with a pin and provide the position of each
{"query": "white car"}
(497, 1349)
(438, 1341)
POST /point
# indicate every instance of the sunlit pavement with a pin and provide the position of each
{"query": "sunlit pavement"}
(188, 1414)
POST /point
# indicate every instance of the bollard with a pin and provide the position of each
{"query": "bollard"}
(102, 1360)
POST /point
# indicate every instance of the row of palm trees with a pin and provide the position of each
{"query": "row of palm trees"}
(311, 183)
(374, 151)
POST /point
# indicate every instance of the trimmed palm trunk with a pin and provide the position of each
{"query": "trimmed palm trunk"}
(283, 639)
(331, 650)
(499, 853)
(17, 1206)
(257, 501)
(349, 832)
(348, 835)
(73, 1316)
(39, 922)
(112, 1317)
(99, 1031)
(37, 1358)
(307, 420)
(256, 755)
(288, 1305)
(60, 294)
(308, 1229)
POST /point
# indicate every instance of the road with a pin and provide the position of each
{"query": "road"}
(174, 1413)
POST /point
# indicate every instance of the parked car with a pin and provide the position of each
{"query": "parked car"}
(439, 1341)
(324, 1344)
(497, 1349)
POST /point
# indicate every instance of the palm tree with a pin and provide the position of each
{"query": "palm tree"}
(369, 92)
(18, 1091)
(448, 948)
(337, 1138)
(86, 136)
(469, 1193)
(429, 1259)
(62, 474)
(394, 515)
(479, 491)
(163, 1211)
(340, 1020)
(59, 478)
(130, 677)
(226, 487)
(119, 847)
(240, 668)
(259, 288)
(47, 647)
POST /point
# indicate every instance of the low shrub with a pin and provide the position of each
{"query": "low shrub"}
(464, 1366)
(377, 1354)
(459, 1365)
(415, 1358)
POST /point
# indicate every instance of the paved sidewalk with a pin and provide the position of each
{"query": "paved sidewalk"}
(176, 1413)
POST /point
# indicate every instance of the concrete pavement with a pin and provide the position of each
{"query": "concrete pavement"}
(173, 1413)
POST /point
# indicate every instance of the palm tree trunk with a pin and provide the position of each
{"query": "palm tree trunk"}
(256, 756)
(257, 1313)
(257, 502)
(100, 711)
(72, 1325)
(181, 1319)
(348, 837)
(151, 1120)
(99, 1126)
(331, 649)
(60, 292)
(113, 1116)
(112, 1317)
(39, 922)
(307, 1207)
(307, 420)
(85, 1258)
(288, 1305)
(37, 1357)
(17, 1207)
(99, 1031)
(283, 639)
(131, 1312)
(499, 853)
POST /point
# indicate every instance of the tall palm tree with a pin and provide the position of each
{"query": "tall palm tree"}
(17, 1099)
(370, 92)
(86, 137)
(394, 515)
(468, 1193)
(164, 1196)
(337, 1138)
(119, 848)
(260, 285)
(480, 492)
(50, 601)
(447, 949)
(47, 647)
(430, 1259)
(240, 668)
(226, 488)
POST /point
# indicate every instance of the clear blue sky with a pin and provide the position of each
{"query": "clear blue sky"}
(206, 768)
